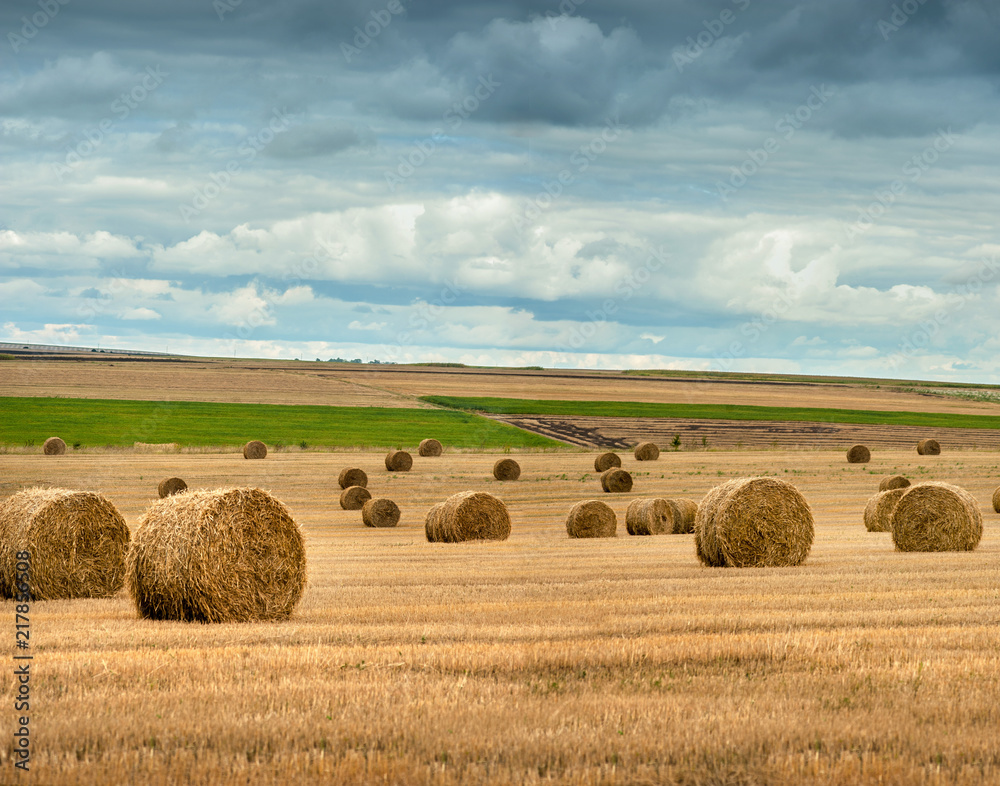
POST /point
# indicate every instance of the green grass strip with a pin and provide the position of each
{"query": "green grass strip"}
(634, 409)
(101, 422)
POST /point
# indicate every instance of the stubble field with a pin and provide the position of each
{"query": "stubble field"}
(540, 659)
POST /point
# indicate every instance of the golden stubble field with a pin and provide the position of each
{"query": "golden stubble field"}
(536, 660)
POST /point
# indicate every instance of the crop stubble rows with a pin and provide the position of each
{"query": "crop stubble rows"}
(540, 658)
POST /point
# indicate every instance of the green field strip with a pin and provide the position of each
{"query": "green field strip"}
(103, 422)
(635, 409)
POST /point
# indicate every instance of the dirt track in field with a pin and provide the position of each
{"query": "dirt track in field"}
(624, 433)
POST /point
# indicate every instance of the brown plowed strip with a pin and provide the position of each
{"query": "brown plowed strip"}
(623, 433)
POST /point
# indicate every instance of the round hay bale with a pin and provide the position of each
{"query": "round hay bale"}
(352, 476)
(607, 461)
(617, 481)
(228, 555)
(468, 515)
(996, 500)
(859, 454)
(77, 541)
(429, 447)
(893, 482)
(929, 447)
(380, 512)
(171, 486)
(878, 511)
(506, 469)
(755, 522)
(649, 517)
(398, 461)
(592, 519)
(53, 446)
(647, 451)
(354, 497)
(936, 517)
(685, 512)
(254, 449)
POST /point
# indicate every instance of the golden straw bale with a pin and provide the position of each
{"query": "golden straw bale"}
(170, 486)
(607, 461)
(592, 519)
(878, 511)
(354, 497)
(936, 517)
(429, 447)
(77, 542)
(352, 476)
(398, 461)
(647, 451)
(617, 481)
(468, 515)
(893, 482)
(506, 469)
(755, 522)
(228, 555)
(380, 512)
(254, 449)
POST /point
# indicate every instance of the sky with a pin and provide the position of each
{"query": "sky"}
(733, 185)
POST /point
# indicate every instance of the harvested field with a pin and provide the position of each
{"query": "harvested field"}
(616, 660)
(334, 384)
(621, 433)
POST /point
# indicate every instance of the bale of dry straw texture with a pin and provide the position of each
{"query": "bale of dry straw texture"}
(929, 447)
(647, 451)
(649, 517)
(506, 469)
(893, 482)
(592, 519)
(380, 512)
(255, 449)
(77, 541)
(429, 447)
(616, 480)
(468, 515)
(606, 461)
(996, 500)
(936, 517)
(753, 522)
(53, 446)
(878, 511)
(228, 555)
(352, 476)
(354, 497)
(170, 486)
(685, 512)
(859, 454)
(398, 461)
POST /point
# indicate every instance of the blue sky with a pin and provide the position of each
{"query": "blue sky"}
(729, 185)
